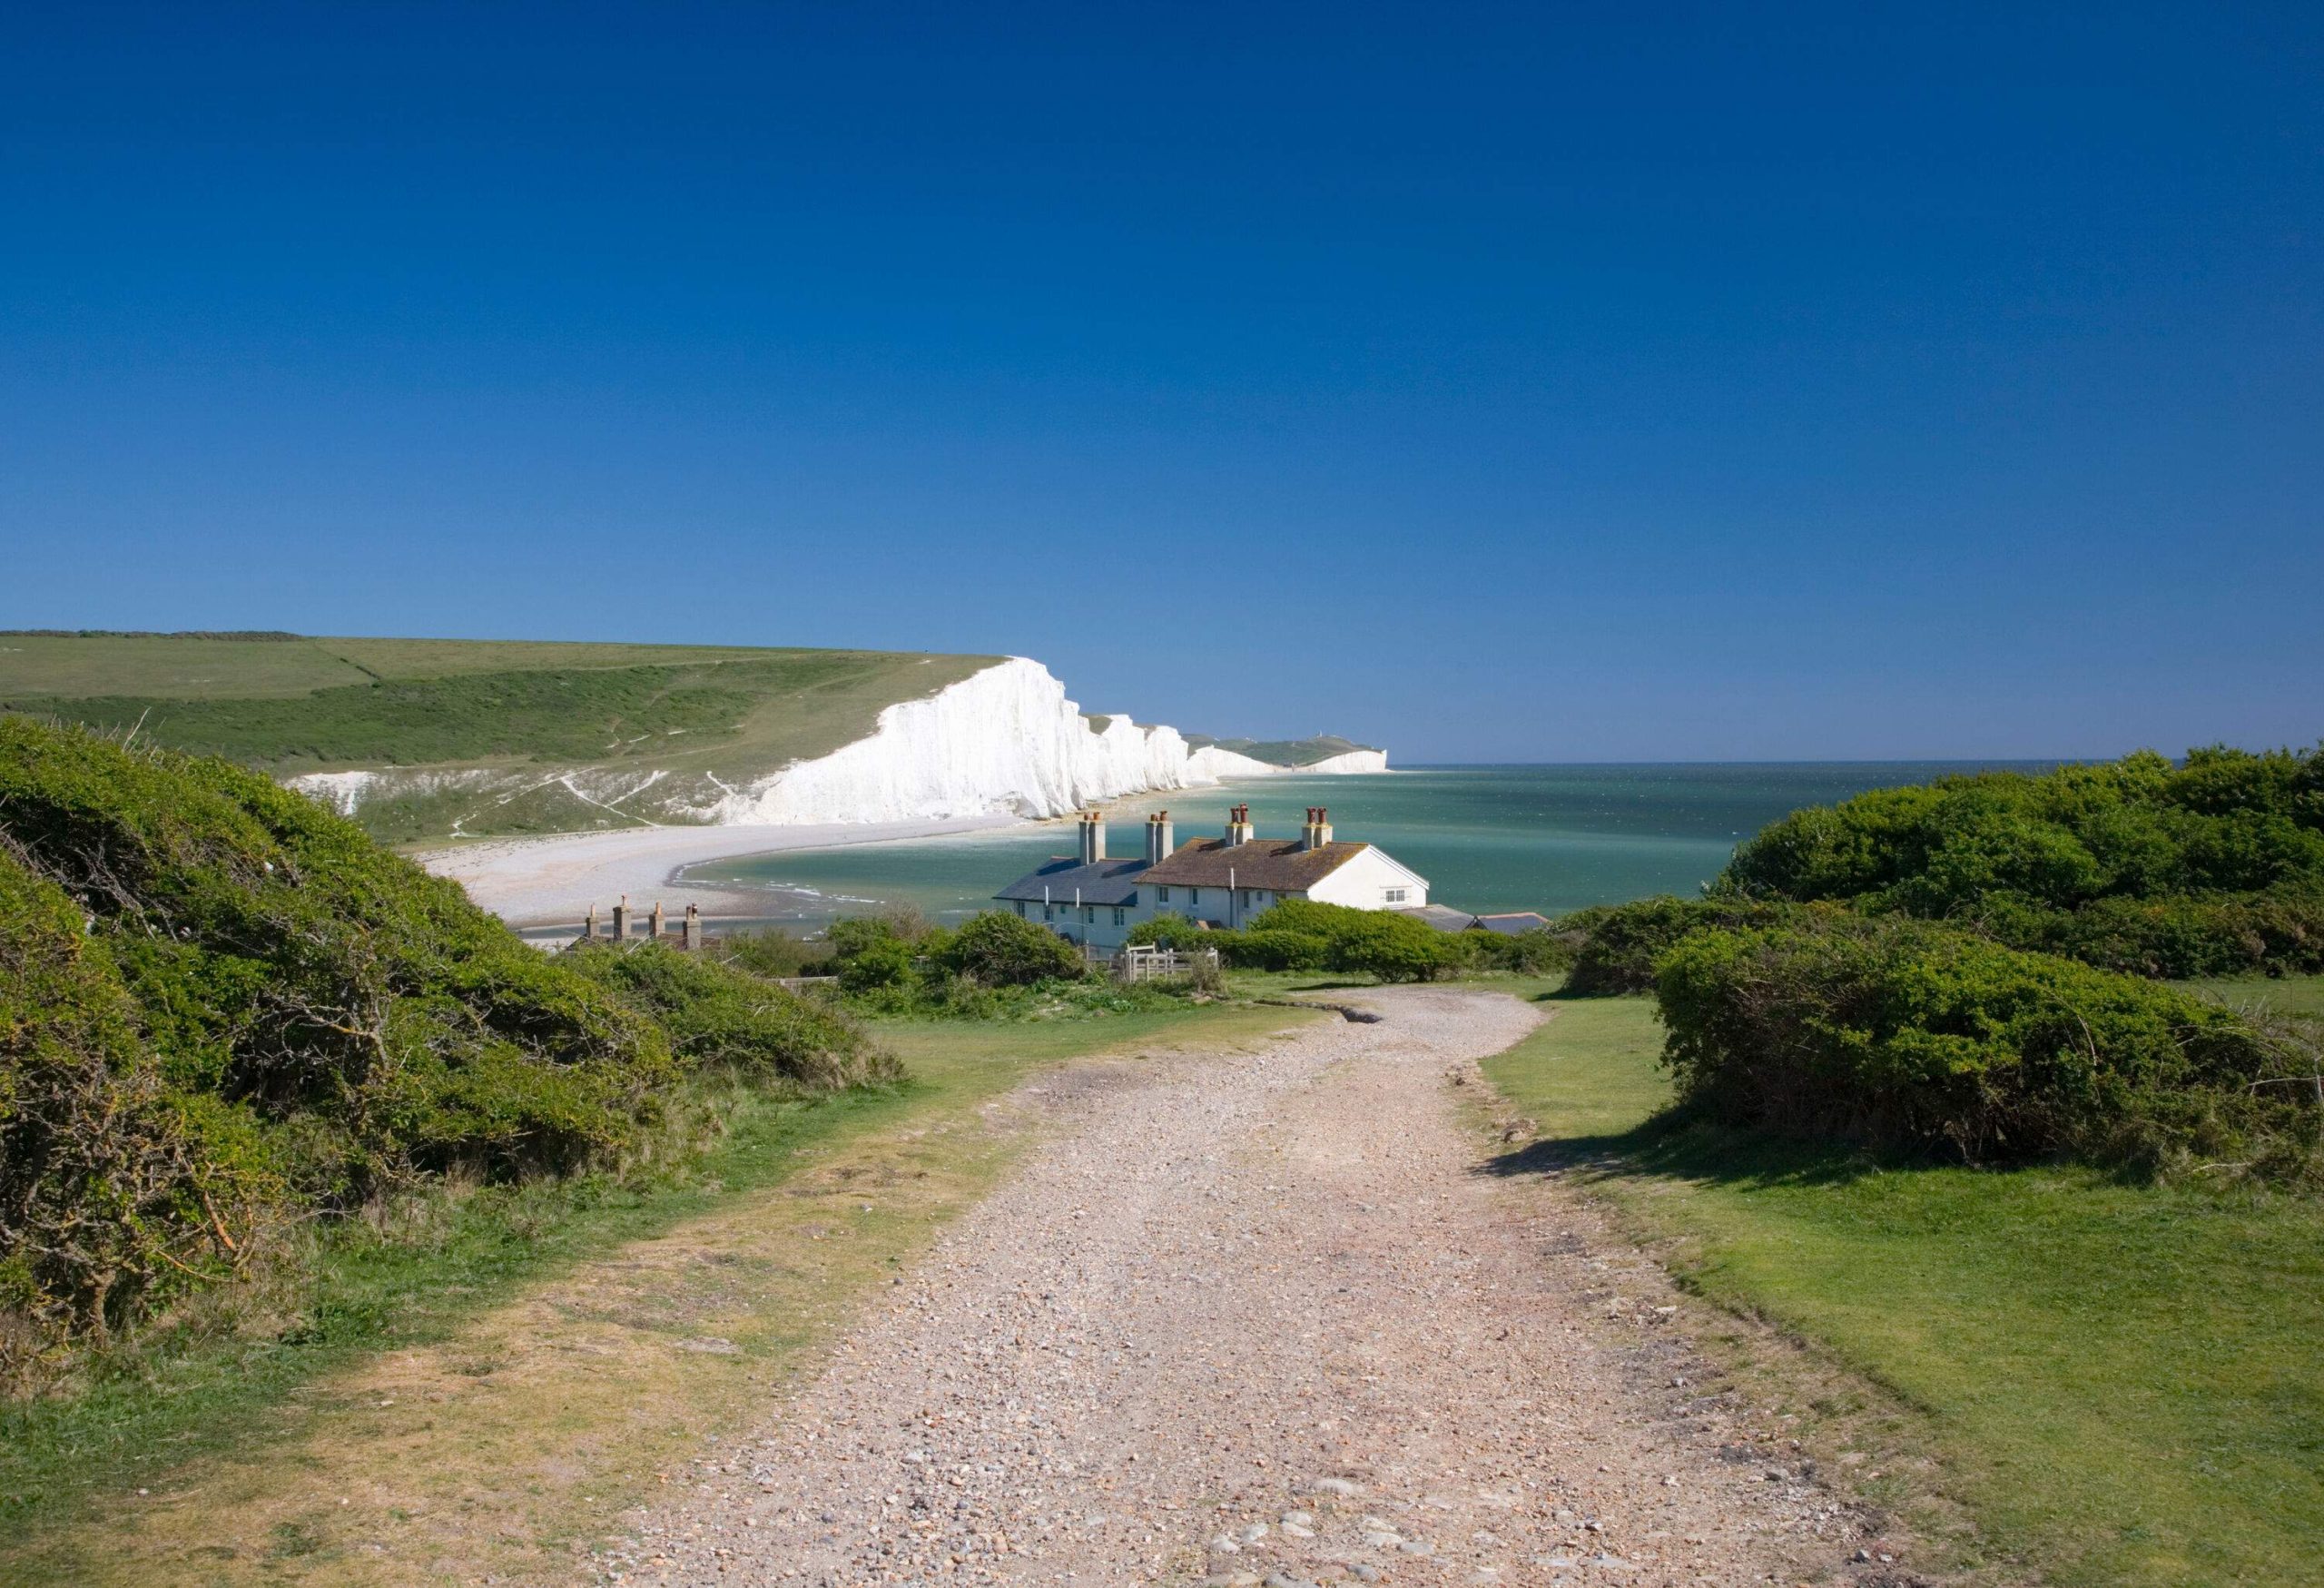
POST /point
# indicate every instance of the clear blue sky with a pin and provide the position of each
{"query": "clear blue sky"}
(1498, 383)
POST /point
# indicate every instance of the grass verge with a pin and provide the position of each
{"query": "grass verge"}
(484, 1392)
(2119, 1380)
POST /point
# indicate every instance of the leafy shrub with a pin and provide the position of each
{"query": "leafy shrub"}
(773, 952)
(2209, 868)
(1272, 948)
(284, 961)
(999, 949)
(722, 1017)
(876, 963)
(220, 1003)
(1530, 953)
(1171, 930)
(1300, 934)
(116, 1190)
(1901, 1034)
(1619, 943)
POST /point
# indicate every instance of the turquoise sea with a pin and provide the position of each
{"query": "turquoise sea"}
(1488, 838)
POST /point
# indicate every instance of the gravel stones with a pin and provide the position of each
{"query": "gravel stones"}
(1253, 1315)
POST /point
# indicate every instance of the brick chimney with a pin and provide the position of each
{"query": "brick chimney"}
(1160, 838)
(1093, 836)
(690, 929)
(654, 928)
(589, 927)
(621, 920)
(1318, 830)
(1238, 826)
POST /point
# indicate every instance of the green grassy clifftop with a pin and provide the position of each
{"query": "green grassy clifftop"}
(492, 736)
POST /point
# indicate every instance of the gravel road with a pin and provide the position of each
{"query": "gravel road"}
(1257, 1318)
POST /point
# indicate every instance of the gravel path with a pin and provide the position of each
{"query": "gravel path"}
(1258, 1319)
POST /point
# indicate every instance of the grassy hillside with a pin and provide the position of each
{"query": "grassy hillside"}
(1284, 752)
(516, 716)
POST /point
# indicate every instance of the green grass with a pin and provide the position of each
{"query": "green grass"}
(240, 1375)
(2299, 995)
(195, 668)
(2121, 1379)
(523, 712)
(745, 712)
(1285, 751)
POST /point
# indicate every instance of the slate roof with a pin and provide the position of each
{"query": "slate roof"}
(1106, 881)
(1513, 923)
(1443, 917)
(1276, 864)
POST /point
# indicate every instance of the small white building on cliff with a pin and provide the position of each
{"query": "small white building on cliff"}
(1224, 881)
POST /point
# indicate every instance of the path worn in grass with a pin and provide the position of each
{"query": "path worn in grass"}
(1261, 1320)
(505, 1450)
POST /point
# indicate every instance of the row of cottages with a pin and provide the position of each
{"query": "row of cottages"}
(1221, 882)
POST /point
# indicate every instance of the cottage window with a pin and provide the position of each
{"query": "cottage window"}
(1049, 913)
(1162, 895)
(1194, 896)
(1246, 898)
(1395, 896)
(1118, 914)
(1021, 909)
(1088, 914)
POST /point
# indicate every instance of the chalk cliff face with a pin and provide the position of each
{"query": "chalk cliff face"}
(1004, 741)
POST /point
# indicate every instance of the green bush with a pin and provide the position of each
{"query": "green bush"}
(722, 1017)
(876, 963)
(2211, 868)
(1170, 930)
(773, 952)
(1619, 943)
(999, 949)
(223, 1007)
(1901, 1034)
(1271, 948)
(116, 1189)
(1530, 953)
(1300, 934)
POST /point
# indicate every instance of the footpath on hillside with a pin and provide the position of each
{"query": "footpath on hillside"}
(1258, 1318)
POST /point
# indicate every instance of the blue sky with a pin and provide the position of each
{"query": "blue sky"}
(1496, 383)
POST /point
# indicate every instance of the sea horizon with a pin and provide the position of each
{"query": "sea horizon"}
(1489, 836)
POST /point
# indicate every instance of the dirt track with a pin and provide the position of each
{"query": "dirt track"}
(1258, 1319)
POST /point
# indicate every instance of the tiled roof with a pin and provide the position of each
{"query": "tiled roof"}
(1277, 865)
(1106, 881)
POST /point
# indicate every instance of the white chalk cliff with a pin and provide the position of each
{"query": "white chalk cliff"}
(1004, 741)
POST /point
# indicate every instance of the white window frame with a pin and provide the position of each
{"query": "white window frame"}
(1395, 896)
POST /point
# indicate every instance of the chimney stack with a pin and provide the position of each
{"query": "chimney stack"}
(1093, 836)
(1238, 826)
(1317, 831)
(621, 920)
(690, 929)
(1160, 838)
(654, 927)
(589, 927)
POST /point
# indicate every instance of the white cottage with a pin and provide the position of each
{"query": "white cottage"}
(1223, 882)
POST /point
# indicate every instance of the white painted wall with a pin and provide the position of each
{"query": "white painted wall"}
(1364, 882)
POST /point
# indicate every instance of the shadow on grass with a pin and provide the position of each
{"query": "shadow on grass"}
(1682, 1146)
